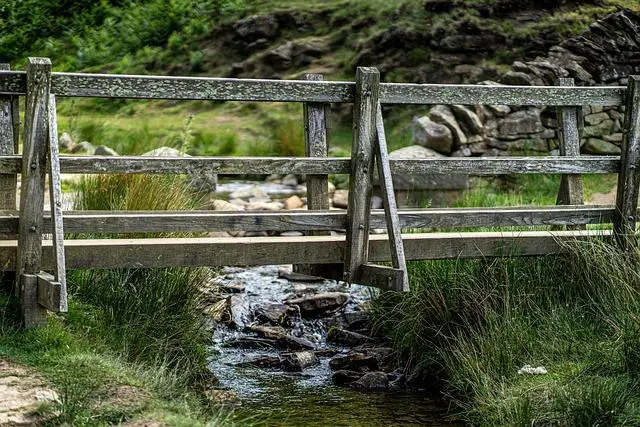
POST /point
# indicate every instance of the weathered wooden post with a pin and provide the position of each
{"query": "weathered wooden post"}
(36, 129)
(8, 146)
(571, 192)
(624, 223)
(316, 145)
(362, 168)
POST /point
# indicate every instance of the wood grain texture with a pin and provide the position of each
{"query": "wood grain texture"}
(362, 168)
(155, 253)
(390, 207)
(50, 293)
(199, 221)
(55, 199)
(408, 93)
(386, 278)
(8, 182)
(624, 224)
(32, 186)
(570, 192)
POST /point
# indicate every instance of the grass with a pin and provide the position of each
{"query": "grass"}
(469, 325)
(131, 345)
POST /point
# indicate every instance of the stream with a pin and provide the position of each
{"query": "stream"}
(275, 396)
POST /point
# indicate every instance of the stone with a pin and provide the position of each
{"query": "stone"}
(200, 181)
(600, 146)
(292, 276)
(66, 142)
(264, 206)
(521, 122)
(256, 27)
(529, 144)
(517, 78)
(605, 127)
(341, 199)
(293, 202)
(290, 180)
(463, 152)
(282, 338)
(292, 233)
(318, 304)
(426, 181)
(614, 137)
(348, 338)
(165, 152)
(269, 332)
(430, 134)
(223, 205)
(372, 382)
(468, 119)
(354, 361)
(616, 115)
(499, 110)
(275, 314)
(103, 150)
(231, 288)
(443, 115)
(376, 202)
(222, 397)
(249, 192)
(344, 377)
(261, 362)
(237, 311)
(84, 147)
(595, 119)
(298, 361)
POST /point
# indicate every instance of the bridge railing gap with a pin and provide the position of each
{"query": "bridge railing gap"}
(28, 254)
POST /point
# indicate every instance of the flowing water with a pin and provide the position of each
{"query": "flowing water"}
(277, 398)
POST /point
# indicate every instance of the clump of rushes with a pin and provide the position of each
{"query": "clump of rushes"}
(469, 325)
(151, 315)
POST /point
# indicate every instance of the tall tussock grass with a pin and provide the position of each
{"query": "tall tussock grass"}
(469, 325)
(151, 315)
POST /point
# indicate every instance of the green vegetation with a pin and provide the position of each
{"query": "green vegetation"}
(127, 329)
(470, 325)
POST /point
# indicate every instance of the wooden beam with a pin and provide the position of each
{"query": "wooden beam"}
(362, 164)
(624, 224)
(390, 208)
(198, 88)
(386, 278)
(8, 182)
(32, 186)
(55, 199)
(192, 252)
(50, 293)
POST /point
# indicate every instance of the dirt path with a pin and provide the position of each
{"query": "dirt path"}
(21, 392)
(603, 198)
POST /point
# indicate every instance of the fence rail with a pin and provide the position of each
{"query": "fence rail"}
(29, 254)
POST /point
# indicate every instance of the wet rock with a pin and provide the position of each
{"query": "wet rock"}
(270, 332)
(397, 381)
(430, 134)
(275, 314)
(443, 115)
(293, 202)
(319, 304)
(468, 119)
(372, 382)
(354, 361)
(600, 146)
(343, 377)
(222, 397)
(298, 361)
(298, 277)
(341, 199)
(103, 150)
(348, 338)
(262, 362)
(231, 288)
(237, 312)
(282, 339)
(252, 342)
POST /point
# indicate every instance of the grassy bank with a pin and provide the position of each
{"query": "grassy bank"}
(468, 326)
(131, 346)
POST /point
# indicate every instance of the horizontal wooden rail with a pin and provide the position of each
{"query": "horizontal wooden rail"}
(190, 252)
(201, 88)
(199, 221)
(481, 166)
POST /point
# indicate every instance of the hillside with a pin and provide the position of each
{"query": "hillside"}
(408, 40)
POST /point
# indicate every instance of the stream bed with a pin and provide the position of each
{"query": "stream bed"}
(276, 396)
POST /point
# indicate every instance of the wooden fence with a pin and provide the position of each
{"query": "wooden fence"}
(25, 252)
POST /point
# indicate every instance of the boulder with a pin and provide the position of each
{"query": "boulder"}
(348, 338)
(443, 115)
(600, 146)
(354, 361)
(237, 311)
(66, 142)
(499, 110)
(596, 119)
(614, 137)
(425, 181)
(293, 202)
(521, 122)
(292, 276)
(85, 147)
(262, 362)
(318, 304)
(372, 382)
(430, 134)
(298, 361)
(517, 78)
(103, 150)
(275, 314)
(201, 181)
(468, 119)
(254, 192)
(256, 27)
(605, 127)
(341, 199)
(282, 338)
(343, 377)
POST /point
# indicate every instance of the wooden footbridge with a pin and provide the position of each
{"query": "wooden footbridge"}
(25, 251)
